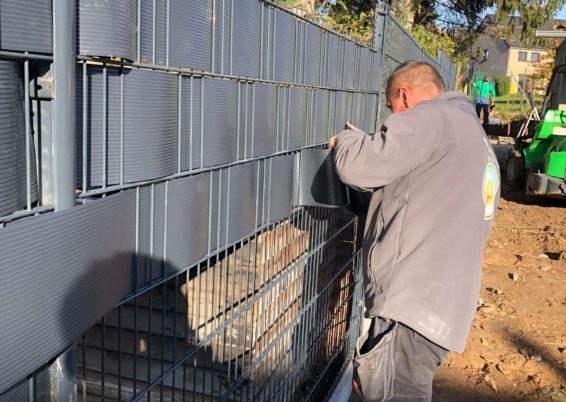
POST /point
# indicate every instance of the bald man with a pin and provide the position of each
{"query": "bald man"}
(434, 181)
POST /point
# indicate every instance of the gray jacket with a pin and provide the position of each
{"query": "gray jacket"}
(435, 183)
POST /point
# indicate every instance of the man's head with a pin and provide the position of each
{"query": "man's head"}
(485, 79)
(412, 83)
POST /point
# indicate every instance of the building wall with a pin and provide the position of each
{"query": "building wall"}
(516, 68)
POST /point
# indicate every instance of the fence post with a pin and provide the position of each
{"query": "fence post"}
(379, 34)
(381, 12)
(64, 104)
(63, 370)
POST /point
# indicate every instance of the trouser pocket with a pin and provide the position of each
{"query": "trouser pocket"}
(373, 369)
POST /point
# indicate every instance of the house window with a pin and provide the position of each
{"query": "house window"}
(522, 56)
(535, 57)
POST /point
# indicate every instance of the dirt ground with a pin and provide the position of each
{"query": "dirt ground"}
(517, 347)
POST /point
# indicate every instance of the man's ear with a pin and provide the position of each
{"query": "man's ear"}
(404, 94)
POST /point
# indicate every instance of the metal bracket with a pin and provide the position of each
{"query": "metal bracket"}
(382, 8)
(42, 87)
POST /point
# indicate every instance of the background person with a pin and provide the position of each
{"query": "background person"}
(485, 93)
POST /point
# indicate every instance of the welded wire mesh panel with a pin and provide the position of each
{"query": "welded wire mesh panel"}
(267, 318)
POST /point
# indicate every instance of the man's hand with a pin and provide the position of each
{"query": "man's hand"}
(332, 142)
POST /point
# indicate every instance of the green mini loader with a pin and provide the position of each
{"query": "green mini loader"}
(539, 159)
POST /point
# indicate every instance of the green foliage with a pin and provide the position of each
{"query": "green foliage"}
(532, 13)
(502, 85)
(358, 26)
(435, 39)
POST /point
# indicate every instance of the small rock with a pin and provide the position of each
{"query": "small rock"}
(514, 276)
(490, 383)
(495, 290)
(545, 267)
(543, 256)
(487, 308)
(502, 369)
(484, 342)
(562, 350)
(537, 358)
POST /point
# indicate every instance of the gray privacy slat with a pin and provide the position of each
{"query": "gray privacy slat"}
(321, 128)
(284, 47)
(149, 17)
(267, 42)
(150, 125)
(149, 262)
(246, 38)
(281, 189)
(241, 220)
(19, 393)
(297, 117)
(261, 196)
(265, 116)
(371, 113)
(191, 34)
(95, 132)
(187, 220)
(376, 77)
(220, 125)
(349, 72)
(340, 111)
(159, 227)
(333, 60)
(363, 69)
(356, 109)
(143, 271)
(190, 123)
(383, 110)
(107, 28)
(80, 269)
(221, 23)
(25, 26)
(399, 43)
(318, 183)
(217, 204)
(13, 190)
(312, 54)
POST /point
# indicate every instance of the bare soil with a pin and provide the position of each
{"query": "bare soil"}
(517, 347)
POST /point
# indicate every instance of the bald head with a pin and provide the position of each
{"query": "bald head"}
(411, 83)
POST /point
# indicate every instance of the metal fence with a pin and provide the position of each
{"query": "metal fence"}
(167, 211)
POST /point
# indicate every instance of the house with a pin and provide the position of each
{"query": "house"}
(511, 57)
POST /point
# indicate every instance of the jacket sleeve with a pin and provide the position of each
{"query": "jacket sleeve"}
(406, 141)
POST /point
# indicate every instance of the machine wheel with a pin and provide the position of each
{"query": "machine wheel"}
(529, 197)
(515, 172)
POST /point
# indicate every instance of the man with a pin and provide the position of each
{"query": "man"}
(485, 92)
(434, 180)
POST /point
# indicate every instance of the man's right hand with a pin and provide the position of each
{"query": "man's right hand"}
(332, 142)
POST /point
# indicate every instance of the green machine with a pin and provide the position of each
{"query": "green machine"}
(539, 160)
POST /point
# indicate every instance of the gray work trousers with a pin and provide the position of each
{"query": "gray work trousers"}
(394, 363)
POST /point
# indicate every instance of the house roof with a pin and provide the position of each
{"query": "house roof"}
(515, 40)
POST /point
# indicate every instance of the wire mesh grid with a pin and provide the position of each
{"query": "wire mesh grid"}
(267, 319)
